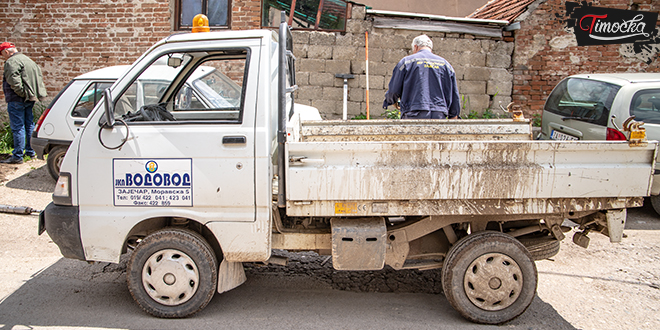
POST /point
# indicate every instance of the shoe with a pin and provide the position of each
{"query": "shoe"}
(33, 155)
(12, 160)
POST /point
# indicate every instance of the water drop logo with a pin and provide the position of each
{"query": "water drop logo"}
(151, 166)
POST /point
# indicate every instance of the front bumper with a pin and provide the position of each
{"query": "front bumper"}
(63, 227)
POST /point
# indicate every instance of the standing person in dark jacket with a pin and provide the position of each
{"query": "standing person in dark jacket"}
(23, 84)
(425, 84)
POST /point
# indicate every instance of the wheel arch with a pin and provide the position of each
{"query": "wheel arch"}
(151, 225)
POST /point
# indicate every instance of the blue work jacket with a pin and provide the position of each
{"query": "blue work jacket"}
(424, 81)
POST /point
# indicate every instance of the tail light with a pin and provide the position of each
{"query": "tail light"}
(41, 119)
(614, 135)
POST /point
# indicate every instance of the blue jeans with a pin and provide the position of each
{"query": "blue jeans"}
(21, 121)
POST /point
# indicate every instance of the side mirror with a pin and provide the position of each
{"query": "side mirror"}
(174, 62)
(109, 113)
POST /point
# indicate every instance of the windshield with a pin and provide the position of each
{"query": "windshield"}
(582, 99)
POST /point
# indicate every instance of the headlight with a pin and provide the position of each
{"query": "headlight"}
(62, 192)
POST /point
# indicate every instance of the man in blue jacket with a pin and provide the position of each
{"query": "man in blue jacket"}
(425, 85)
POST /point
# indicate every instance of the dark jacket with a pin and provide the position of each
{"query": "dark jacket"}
(24, 78)
(424, 81)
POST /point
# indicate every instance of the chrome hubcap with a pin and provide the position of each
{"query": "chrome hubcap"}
(170, 277)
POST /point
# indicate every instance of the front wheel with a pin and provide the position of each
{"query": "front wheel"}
(172, 273)
(489, 277)
(54, 161)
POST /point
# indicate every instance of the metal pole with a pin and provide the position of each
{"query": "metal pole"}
(281, 111)
(345, 113)
(366, 53)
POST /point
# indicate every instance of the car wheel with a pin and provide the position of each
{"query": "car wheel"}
(54, 161)
(655, 202)
(172, 273)
(489, 277)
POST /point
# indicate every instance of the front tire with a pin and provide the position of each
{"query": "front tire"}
(489, 277)
(173, 273)
(54, 161)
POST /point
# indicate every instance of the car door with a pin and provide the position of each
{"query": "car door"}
(165, 159)
(578, 109)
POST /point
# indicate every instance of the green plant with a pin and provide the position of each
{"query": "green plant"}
(536, 120)
(391, 113)
(6, 138)
(360, 116)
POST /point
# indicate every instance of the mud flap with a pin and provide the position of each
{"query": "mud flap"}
(230, 275)
(616, 221)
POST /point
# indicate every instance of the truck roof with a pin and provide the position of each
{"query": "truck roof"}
(242, 34)
(621, 78)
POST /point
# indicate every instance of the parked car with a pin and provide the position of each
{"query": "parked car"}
(594, 107)
(207, 88)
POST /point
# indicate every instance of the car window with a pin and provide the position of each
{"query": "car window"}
(582, 99)
(89, 98)
(645, 106)
(214, 91)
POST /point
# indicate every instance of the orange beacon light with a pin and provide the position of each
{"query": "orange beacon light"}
(200, 23)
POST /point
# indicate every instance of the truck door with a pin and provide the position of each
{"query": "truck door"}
(187, 152)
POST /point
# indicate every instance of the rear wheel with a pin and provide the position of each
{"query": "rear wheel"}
(655, 202)
(54, 161)
(489, 277)
(172, 273)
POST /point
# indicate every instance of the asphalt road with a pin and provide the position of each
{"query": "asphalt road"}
(41, 290)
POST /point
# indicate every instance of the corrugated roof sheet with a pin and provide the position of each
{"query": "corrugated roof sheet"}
(507, 10)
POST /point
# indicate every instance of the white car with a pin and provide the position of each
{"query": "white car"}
(207, 88)
(594, 107)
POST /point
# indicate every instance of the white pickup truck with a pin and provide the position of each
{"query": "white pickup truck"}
(193, 192)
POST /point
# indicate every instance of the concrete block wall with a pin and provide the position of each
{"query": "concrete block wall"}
(482, 65)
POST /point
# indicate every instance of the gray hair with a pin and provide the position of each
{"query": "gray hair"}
(422, 41)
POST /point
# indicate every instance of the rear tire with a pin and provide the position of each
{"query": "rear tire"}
(489, 277)
(54, 161)
(173, 273)
(655, 202)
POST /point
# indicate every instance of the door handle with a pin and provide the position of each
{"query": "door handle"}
(78, 122)
(234, 140)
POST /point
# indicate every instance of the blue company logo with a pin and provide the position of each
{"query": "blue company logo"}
(151, 166)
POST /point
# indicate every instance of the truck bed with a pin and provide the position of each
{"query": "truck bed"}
(415, 130)
(463, 177)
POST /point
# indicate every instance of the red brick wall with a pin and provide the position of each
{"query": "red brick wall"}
(246, 14)
(70, 37)
(545, 52)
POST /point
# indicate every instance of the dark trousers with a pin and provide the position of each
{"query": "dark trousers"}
(21, 121)
(423, 114)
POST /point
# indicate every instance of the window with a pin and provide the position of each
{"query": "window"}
(645, 106)
(89, 98)
(213, 89)
(217, 12)
(583, 99)
(308, 14)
